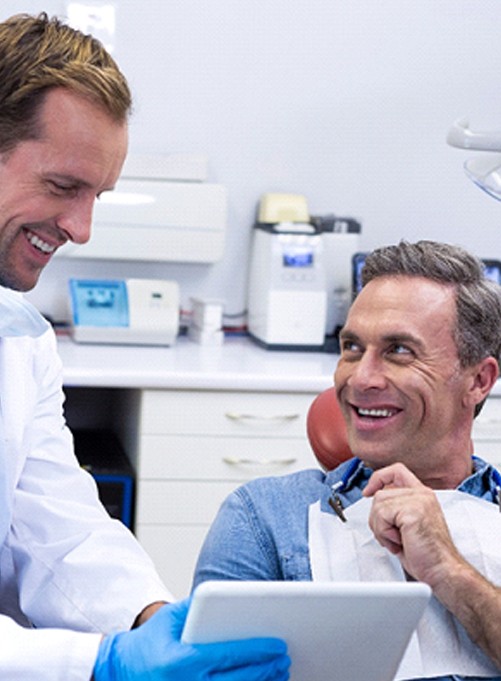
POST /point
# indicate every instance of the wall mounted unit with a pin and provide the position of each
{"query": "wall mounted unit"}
(152, 216)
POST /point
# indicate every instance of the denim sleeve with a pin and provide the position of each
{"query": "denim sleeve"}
(237, 546)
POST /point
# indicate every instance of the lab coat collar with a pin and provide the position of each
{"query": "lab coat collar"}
(18, 317)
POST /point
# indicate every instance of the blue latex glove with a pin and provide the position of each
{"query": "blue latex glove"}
(153, 651)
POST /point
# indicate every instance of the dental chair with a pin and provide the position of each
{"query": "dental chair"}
(326, 430)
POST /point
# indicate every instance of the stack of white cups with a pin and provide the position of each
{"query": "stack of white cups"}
(206, 322)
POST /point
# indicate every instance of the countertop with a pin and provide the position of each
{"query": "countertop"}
(238, 364)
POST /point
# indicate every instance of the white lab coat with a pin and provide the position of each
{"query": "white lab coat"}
(64, 564)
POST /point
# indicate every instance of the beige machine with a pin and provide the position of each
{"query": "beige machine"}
(287, 301)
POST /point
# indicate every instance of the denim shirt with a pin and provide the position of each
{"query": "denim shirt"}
(261, 530)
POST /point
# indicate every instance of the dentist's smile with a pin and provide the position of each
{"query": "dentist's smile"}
(41, 245)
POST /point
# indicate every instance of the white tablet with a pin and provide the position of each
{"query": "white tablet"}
(341, 631)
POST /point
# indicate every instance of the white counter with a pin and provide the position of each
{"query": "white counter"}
(239, 364)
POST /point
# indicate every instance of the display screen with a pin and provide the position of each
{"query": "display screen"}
(298, 258)
(492, 270)
(99, 303)
(357, 263)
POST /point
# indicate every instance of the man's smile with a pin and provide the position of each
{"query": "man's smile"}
(375, 412)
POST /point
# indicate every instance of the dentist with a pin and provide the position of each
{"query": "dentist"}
(79, 598)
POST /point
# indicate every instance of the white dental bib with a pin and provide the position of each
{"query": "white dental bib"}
(349, 552)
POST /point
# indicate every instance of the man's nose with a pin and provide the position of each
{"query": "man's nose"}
(368, 372)
(76, 221)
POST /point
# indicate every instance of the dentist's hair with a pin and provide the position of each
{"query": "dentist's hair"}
(38, 54)
(478, 300)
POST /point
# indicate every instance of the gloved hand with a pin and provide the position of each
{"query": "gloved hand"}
(153, 651)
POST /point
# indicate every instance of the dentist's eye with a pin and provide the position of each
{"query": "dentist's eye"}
(61, 189)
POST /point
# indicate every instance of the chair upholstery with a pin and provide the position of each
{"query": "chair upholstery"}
(326, 430)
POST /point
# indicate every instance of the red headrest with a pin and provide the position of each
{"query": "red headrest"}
(326, 429)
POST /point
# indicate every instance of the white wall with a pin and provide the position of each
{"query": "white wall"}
(345, 101)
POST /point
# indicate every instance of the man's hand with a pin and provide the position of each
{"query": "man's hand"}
(407, 519)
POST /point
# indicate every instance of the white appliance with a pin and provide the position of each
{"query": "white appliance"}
(124, 311)
(287, 300)
(341, 237)
(160, 210)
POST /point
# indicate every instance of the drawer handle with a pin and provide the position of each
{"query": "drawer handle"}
(253, 417)
(233, 461)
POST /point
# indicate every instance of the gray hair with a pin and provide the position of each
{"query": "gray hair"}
(478, 300)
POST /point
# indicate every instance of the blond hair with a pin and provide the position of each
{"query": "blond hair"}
(38, 54)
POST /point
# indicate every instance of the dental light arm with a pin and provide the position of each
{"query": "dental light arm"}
(484, 171)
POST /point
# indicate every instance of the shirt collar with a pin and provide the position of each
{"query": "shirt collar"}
(483, 481)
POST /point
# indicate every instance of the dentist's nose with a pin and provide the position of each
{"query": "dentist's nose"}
(76, 221)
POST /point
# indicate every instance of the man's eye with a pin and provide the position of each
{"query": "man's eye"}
(399, 349)
(349, 346)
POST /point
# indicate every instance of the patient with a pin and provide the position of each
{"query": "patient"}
(419, 355)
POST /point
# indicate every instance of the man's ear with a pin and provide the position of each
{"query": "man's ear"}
(484, 375)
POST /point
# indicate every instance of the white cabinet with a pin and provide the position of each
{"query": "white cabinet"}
(193, 449)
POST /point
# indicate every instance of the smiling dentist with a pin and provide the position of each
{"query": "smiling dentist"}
(73, 582)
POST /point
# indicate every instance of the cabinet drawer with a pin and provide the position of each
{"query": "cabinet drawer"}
(221, 458)
(224, 413)
(180, 503)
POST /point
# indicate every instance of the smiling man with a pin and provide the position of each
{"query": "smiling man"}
(401, 385)
(73, 582)
(419, 355)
